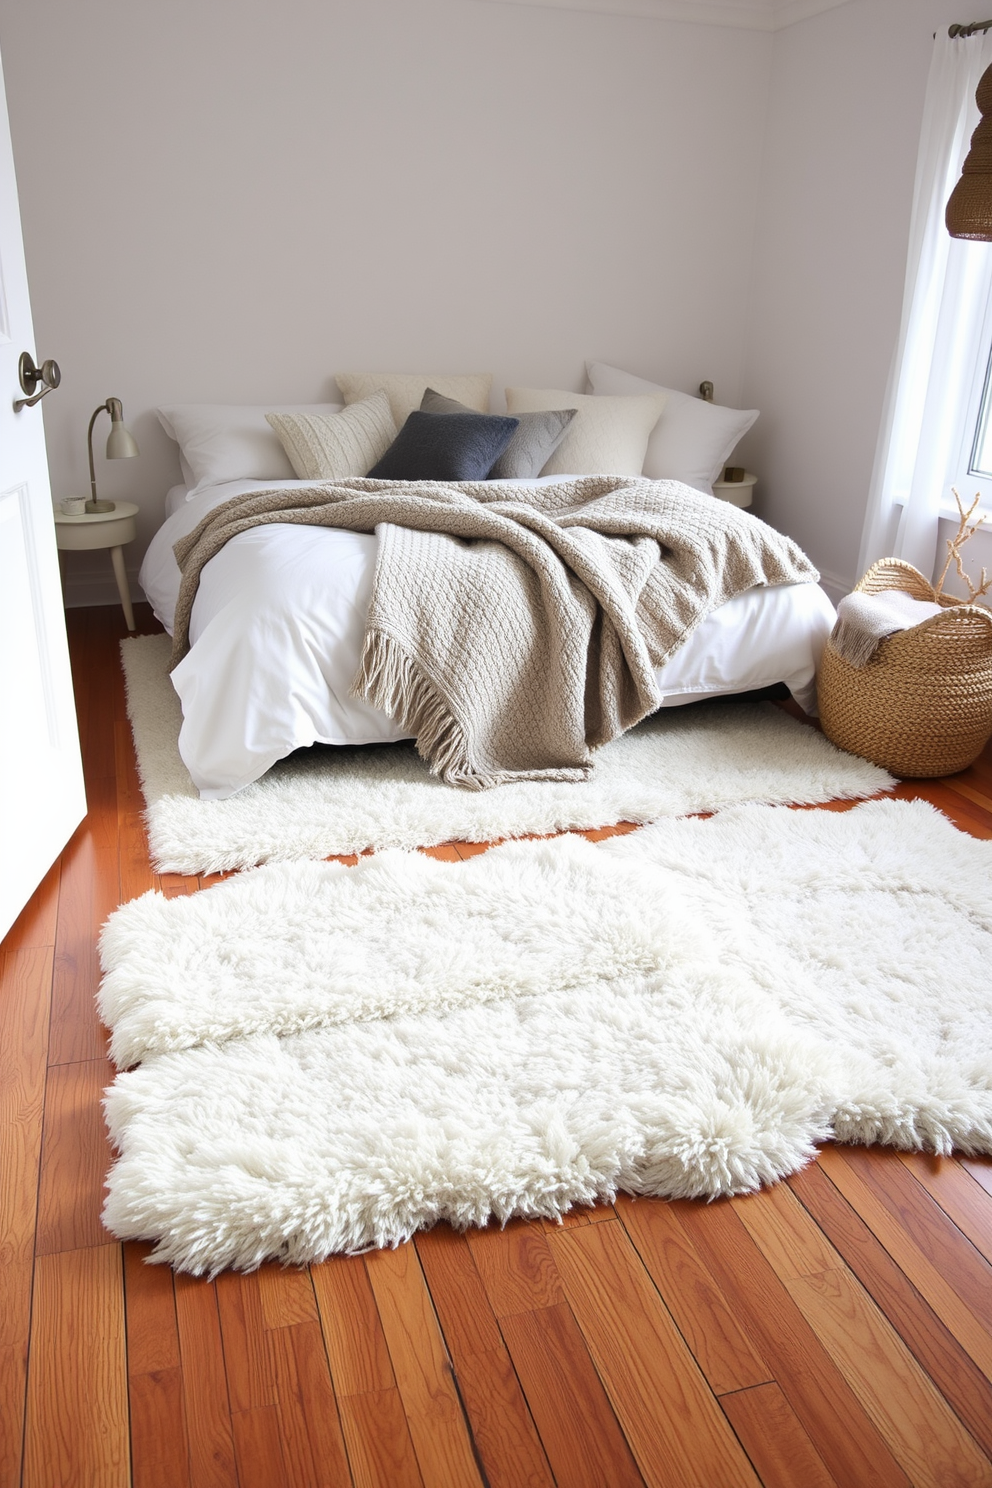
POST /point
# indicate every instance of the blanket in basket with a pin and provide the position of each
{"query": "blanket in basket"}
(512, 630)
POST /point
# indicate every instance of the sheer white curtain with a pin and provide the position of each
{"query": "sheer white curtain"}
(947, 290)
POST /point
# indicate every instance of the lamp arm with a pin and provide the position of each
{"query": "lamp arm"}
(104, 408)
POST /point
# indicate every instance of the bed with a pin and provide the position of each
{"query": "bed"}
(277, 627)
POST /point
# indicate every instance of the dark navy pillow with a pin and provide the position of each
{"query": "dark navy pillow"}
(446, 447)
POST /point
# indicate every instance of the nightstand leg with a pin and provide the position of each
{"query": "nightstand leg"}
(120, 574)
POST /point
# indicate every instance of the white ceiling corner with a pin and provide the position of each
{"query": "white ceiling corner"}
(753, 15)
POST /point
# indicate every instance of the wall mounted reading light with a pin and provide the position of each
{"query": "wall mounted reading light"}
(120, 446)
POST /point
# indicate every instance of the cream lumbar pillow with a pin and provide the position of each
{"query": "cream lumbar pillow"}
(608, 436)
(405, 390)
(335, 446)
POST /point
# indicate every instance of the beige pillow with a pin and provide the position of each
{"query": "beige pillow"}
(334, 446)
(608, 436)
(405, 390)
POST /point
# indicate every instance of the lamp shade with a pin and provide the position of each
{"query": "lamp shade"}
(120, 443)
(969, 208)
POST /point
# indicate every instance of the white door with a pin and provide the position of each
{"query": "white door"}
(41, 776)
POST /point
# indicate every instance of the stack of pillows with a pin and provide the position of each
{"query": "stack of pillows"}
(399, 427)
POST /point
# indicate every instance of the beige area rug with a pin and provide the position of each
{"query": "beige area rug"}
(330, 1058)
(325, 802)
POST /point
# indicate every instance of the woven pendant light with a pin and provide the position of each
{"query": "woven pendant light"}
(969, 210)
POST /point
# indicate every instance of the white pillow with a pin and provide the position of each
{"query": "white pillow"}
(231, 441)
(608, 436)
(405, 390)
(333, 446)
(693, 438)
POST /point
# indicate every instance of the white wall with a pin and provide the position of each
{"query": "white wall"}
(229, 201)
(845, 107)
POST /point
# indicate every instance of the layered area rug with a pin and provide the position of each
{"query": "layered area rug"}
(330, 1058)
(326, 802)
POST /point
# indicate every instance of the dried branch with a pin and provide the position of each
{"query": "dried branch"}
(954, 546)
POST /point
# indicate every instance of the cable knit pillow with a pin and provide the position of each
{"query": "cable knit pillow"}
(693, 440)
(532, 443)
(448, 447)
(334, 446)
(405, 390)
(608, 436)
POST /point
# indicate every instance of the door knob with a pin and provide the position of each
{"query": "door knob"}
(30, 376)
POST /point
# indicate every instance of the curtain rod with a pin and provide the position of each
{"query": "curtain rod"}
(957, 30)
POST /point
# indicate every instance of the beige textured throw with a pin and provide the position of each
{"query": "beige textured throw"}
(865, 620)
(510, 630)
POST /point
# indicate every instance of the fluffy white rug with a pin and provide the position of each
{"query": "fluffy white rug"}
(331, 1058)
(340, 801)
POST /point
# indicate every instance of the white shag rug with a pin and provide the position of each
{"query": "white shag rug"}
(338, 801)
(331, 1058)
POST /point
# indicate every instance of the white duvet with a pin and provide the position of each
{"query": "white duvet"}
(277, 627)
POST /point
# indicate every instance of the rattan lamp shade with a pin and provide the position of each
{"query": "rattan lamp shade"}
(969, 210)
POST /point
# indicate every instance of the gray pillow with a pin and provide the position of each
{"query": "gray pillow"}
(532, 444)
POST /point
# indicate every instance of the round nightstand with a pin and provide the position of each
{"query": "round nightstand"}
(737, 492)
(102, 530)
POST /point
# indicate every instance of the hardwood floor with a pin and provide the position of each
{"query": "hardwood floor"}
(836, 1329)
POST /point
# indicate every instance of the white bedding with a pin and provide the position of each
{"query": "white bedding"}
(277, 627)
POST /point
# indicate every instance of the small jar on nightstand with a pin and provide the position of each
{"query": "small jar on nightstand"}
(87, 530)
(740, 491)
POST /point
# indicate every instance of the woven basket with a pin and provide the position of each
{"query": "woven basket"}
(923, 704)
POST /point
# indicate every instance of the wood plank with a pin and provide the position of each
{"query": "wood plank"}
(251, 1379)
(136, 873)
(923, 1433)
(36, 925)
(579, 1432)
(941, 1262)
(420, 1362)
(13, 1382)
(89, 892)
(516, 1266)
(205, 1397)
(76, 1432)
(75, 1157)
(467, 1320)
(159, 1448)
(444, 852)
(959, 1196)
(784, 1233)
(508, 1444)
(353, 1336)
(309, 1430)
(780, 1335)
(150, 1309)
(286, 1294)
(708, 1326)
(928, 1278)
(674, 1427)
(257, 1448)
(380, 1452)
(25, 989)
(980, 1169)
(955, 1374)
(772, 1435)
(504, 1432)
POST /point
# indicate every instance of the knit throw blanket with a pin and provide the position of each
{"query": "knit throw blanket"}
(865, 620)
(512, 630)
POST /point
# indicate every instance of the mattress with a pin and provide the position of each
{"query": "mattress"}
(279, 618)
